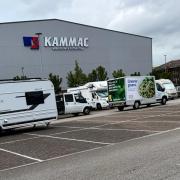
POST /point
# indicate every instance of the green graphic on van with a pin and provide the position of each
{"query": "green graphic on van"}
(116, 90)
(147, 88)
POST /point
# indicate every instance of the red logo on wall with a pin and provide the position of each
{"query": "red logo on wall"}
(32, 42)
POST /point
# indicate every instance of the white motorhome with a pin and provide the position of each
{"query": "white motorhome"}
(135, 91)
(169, 87)
(95, 93)
(26, 103)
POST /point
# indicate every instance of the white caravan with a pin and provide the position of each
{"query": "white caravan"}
(95, 94)
(26, 103)
(169, 87)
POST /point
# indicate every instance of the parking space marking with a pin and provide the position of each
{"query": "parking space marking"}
(28, 157)
(8, 142)
(72, 154)
(15, 167)
(135, 130)
(93, 149)
(70, 139)
(156, 121)
(75, 129)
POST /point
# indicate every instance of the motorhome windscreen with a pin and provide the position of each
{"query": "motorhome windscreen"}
(79, 98)
(102, 93)
(168, 85)
(34, 97)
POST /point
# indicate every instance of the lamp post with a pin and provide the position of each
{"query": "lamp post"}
(165, 62)
(22, 70)
(39, 34)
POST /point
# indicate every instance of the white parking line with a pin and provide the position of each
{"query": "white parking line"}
(22, 155)
(71, 139)
(15, 167)
(8, 142)
(135, 130)
(93, 149)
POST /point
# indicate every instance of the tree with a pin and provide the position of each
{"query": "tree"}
(136, 74)
(98, 74)
(119, 73)
(92, 76)
(101, 73)
(56, 80)
(16, 78)
(77, 77)
(159, 74)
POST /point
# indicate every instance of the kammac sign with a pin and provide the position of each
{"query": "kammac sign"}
(66, 43)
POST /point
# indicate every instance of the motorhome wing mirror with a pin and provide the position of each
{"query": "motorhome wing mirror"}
(163, 89)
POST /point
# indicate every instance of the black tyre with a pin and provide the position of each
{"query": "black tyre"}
(99, 107)
(136, 105)
(120, 108)
(76, 114)
(86, 111)
(164, 100)
(47, 124)
(148, 105)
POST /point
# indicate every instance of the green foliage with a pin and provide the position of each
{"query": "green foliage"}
(119, 73)
(159, 74)
(136, 74)
(77, 77)
(56, 80)
(98, 74)
(16, 78)
(92, 76)
(101, 73)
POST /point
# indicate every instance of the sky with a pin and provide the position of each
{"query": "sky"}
(158, 19)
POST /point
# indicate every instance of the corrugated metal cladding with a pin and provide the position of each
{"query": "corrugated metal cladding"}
(62, 42)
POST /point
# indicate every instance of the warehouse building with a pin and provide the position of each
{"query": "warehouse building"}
(37, 48)
(172, 67)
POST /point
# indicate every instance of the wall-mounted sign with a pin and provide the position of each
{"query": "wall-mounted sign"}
(57, 43)
(66, 43)
(32, 42)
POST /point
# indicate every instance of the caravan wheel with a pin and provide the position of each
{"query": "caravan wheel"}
(47, 124)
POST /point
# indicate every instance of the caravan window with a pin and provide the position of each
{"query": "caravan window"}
(34, 97)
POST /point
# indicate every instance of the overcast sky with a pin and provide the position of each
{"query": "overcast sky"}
(158, 19)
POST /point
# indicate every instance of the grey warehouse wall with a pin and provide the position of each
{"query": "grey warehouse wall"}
(111, 49)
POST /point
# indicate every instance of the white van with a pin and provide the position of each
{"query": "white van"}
(169, 87)
(26, 103)
(72, 103)
(135, 91)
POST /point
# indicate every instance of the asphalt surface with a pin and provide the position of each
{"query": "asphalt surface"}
(141, 144)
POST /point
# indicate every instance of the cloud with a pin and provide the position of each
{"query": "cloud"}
(157, 19)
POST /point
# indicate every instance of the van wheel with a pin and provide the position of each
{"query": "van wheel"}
(120, 108)
(99, 107)
(163, 101)
(136, 105)
(86, 111)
